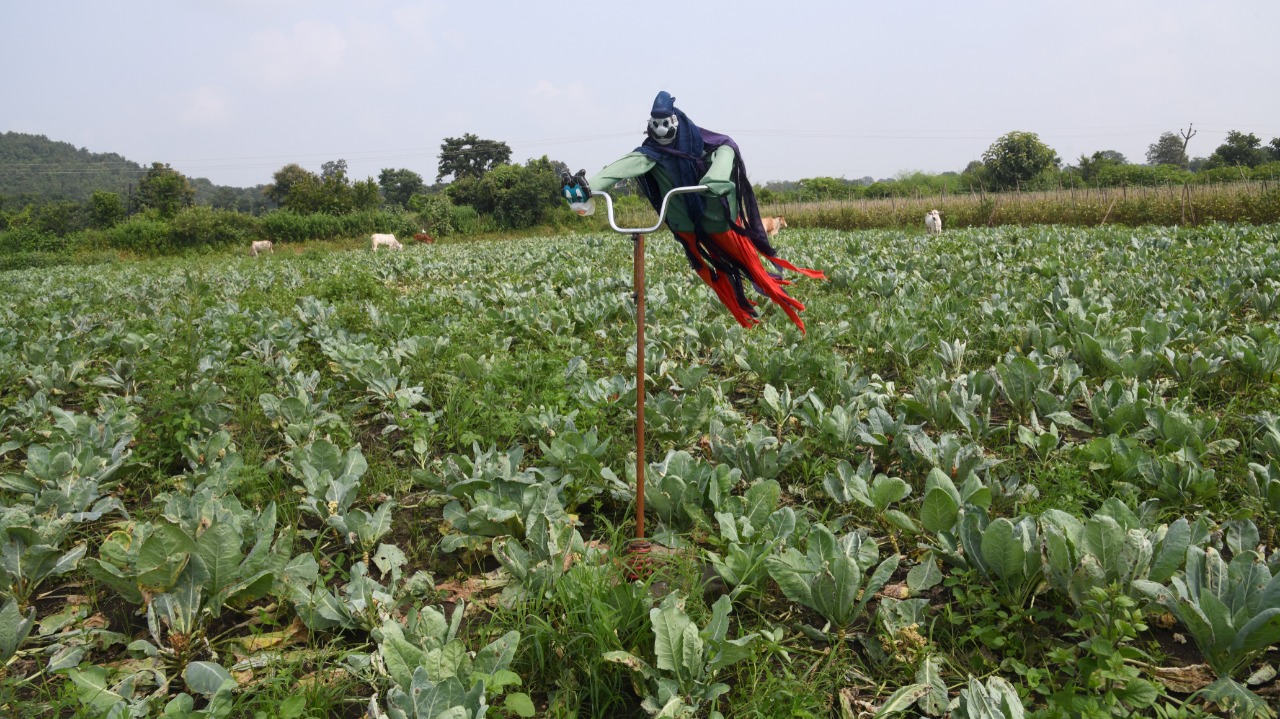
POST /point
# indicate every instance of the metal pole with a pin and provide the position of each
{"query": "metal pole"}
(638, 239)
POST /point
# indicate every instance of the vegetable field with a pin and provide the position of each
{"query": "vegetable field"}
(1023, 471)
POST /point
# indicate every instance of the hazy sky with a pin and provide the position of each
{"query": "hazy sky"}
(233, 90)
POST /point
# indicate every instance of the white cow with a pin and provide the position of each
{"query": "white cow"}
(388, 241)
(261, 246)
(933, 223)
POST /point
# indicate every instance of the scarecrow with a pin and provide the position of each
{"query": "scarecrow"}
(720, 230)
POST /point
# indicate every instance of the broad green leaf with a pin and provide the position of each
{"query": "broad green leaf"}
(206, 678)
(497, 655)
(92, 689)
(1002, 551)
(886, 490)
(219, 549)
(1104, 539)
(519, 704)
(925, 575)
(939, 511)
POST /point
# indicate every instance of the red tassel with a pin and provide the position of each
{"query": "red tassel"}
(744, 254)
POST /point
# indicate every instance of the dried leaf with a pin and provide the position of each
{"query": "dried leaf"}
(455, 591)
(1185, 680)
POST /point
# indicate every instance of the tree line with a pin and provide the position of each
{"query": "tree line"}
(1022, 161)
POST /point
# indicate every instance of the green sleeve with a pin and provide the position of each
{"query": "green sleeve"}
(717, 177)
(631, 165)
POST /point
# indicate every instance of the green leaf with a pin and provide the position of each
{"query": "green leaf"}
(925, 575)
(1172, 551)
(1137, 693)
(886, 490)
(163, 556)
(1104, 539)
(293, 707)
(14, 627)
(497, 656)
(836, 590)
(669, 623)
(935, 702)
(219, 549)
(1002, 552)
(939, 511)
(519, 704)
(206, 678)
(901, 521)
(92, 689)
(902, 699)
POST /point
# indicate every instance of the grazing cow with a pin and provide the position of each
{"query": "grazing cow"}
(388, 241)
(424, 238)
(773, 224)
(933, 223)
(261, 246)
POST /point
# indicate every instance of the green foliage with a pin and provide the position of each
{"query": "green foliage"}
(1240, 149)
(106, 209)
(400, 186)
(39, 168)
(1170, 149)
(996, 699)
(164, 190)
(1109, 549)
(197, 226)
(1101, 680)
(830, 577)
(1016, 158)
(1091, 165)
(471, 157)
(1231, 610)
(435, 213)
(687, 659)
(1113, 175)
(332, 192)
(516, 196)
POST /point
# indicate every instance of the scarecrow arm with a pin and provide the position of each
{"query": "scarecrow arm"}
(717, 179)
(631, 165)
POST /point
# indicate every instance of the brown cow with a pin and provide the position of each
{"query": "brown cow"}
(773, 224)
(424, 238)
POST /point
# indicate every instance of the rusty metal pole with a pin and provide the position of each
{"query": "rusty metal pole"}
(638, 239)
(639, 562)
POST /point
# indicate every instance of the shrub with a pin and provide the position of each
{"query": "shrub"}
(205, 226)
(434, 214)
(144, 233)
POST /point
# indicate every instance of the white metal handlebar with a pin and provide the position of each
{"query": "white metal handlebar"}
(662, 211)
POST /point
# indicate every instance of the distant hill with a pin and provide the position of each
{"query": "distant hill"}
(35, 170)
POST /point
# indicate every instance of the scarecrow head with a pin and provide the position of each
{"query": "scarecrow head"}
(664, 123)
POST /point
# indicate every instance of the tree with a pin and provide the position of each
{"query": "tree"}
(515, 196)
(105, 209)
(1091, 165)
(1168, 150)
(399, 186)
(164, 189)
(332, 168)
(285, 178)
(1017, 157)
(469, 156)
(1274, 149)
(1241, 149)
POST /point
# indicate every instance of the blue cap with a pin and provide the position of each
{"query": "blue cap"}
(664, 105)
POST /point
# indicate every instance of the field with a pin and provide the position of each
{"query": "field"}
(1006, 467)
